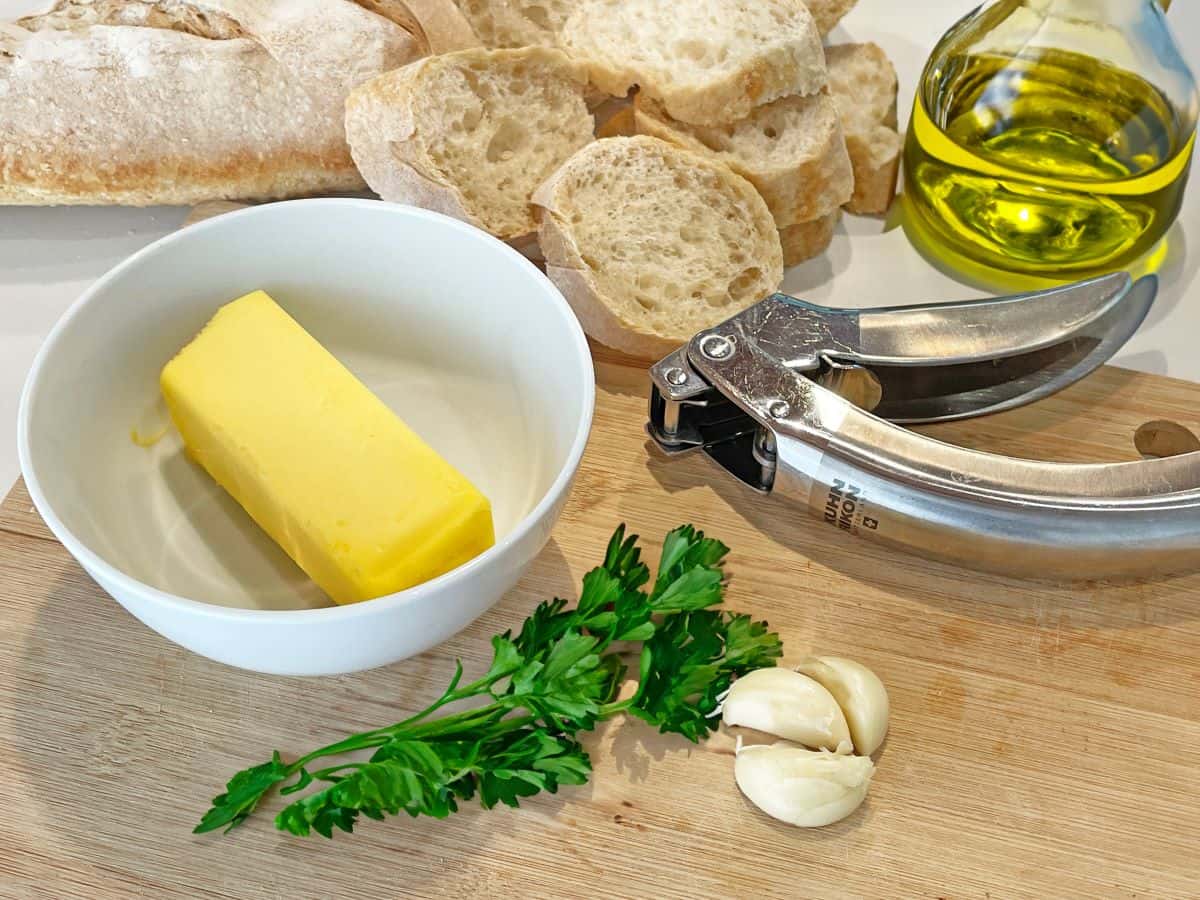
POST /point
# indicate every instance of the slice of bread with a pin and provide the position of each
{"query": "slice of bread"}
(515, 23)
(863, 82)
(808, 239)
(707, 61)
(828, 13)
(470, 133)
(650, 243)
(791, 150)
(498, 24)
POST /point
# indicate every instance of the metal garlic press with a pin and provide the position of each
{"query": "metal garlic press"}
(804, 404)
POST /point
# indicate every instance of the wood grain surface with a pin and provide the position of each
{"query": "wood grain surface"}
(1045, 740)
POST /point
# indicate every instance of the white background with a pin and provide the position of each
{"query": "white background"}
(48, 256)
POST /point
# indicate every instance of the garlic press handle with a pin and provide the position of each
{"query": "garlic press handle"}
(866, 477)
(991, 329)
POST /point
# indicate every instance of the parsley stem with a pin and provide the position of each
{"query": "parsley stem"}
(454, 723)
(617, 706)
(356, 742)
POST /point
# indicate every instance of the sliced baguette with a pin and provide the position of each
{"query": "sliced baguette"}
(808, 239)
(515, 23)
(650, 243)
(470, 133)
(791, 150)
(707, 61)
(863, 82)
(828, 13)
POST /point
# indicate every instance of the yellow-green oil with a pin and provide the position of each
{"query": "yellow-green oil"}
(1046, 163)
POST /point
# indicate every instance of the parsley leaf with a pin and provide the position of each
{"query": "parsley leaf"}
(691, 661)
(242, 794)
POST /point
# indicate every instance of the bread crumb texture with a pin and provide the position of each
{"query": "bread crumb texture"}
(671, 241)
(792, 150)
(516, 23)
(495, 124)
(707, 61)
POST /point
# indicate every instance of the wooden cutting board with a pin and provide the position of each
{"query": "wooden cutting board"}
(1045, 741)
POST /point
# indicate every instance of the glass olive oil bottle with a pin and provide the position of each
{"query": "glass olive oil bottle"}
(1051, 137)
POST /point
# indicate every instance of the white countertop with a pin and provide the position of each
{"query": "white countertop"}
(48, 256)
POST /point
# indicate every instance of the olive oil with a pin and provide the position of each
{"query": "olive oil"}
(1046, 162)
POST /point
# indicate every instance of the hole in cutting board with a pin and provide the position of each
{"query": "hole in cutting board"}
(1162, 438)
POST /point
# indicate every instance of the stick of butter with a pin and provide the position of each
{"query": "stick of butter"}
(354, 496)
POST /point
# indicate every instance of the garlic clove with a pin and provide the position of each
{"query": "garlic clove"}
(808, 788)
(789, 705)
(859, 692)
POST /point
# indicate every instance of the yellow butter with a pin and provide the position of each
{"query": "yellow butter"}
(354, 496)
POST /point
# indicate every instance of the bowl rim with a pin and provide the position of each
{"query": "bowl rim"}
(95, 563)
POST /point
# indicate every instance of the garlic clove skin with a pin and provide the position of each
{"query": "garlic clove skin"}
(789, 705)
(807, 788)
(859, 692)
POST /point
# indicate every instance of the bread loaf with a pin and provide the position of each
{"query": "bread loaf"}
(706, 61)
(863, 82)
(792, 150)
(144, 103)
(650, 243)
(471, 133)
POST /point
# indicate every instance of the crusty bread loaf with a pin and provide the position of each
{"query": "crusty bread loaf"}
(791, 150)
(828, 13)
(471, 133)
(863, 82)
(329, 46)
(174, 102)
(707, 61)
(515, 23)
(650, 243)
(805, 240)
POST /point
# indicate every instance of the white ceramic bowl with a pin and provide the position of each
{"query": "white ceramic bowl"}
(453, 329)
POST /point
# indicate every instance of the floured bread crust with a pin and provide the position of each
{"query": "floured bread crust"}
(139, 103)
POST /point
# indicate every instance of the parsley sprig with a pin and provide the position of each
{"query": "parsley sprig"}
(557, 677)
